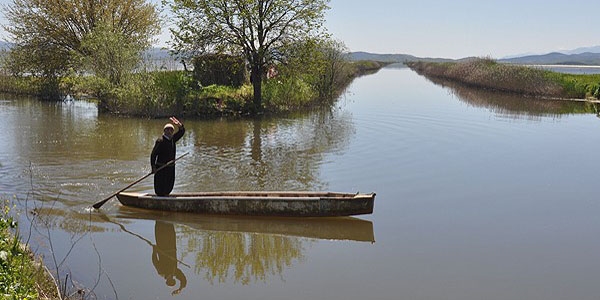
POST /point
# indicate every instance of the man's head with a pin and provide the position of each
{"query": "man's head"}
(170, 280)
(168, 130)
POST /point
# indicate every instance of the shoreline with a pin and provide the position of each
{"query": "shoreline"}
(213, 101)
(23, 273)
(564, 66)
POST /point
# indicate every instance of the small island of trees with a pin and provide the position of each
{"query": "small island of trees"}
(239, 57)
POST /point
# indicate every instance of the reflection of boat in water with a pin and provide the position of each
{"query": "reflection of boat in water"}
(339, 228)
(288, 204)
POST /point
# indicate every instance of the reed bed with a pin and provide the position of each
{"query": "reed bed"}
(530, 81)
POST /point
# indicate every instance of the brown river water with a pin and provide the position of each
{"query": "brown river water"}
(479, 196)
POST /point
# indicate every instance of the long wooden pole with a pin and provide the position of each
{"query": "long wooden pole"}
(99, 204)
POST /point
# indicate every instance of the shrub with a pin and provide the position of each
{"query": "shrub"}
(219, 100)
(20, 85)
(220, 69)
(285, 93)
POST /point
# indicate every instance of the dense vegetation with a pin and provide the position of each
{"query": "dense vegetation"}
(20, 276)
(248, 56)
(54, 39)
(299, 84)
(489, 74)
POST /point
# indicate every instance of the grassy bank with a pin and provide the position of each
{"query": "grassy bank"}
(296, 93)
(20, 85)
(21, 277)
(530, 81)
(364, 67)
(165, 93)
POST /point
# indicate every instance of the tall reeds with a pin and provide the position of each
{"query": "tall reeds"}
(488, 74)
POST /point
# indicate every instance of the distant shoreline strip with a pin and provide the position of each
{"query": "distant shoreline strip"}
(566, 66)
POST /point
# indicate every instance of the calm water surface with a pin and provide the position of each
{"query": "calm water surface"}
(571, 69)
(479, 196)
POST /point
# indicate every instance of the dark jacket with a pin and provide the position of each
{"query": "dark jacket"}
(164, 149)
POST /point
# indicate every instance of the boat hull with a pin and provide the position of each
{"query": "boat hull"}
(295, 204)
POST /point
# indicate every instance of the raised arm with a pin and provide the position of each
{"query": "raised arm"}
(180, 130)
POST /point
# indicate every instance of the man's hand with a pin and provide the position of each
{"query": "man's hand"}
(175, 121)
(153, 169)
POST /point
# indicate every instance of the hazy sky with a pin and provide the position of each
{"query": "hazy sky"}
(460, 28)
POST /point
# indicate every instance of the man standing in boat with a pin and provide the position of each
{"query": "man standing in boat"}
(163, 152)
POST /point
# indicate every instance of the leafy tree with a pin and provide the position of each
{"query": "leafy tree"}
(322, 63)
(109, 54)
(43, 60)
(335, 73)
(53, 35)
(255, 28)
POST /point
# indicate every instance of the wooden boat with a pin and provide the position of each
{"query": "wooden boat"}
(290, 204)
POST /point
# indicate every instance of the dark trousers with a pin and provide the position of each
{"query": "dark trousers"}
(164, 180)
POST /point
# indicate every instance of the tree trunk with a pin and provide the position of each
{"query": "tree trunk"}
(256, 78)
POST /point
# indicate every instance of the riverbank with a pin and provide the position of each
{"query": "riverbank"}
(529, 81)
(165, 93)
(22, 276)
(161, 94)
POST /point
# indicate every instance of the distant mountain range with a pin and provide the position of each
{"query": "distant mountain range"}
(556, 58)
(393, 58)
(593, 49)
(579, 56)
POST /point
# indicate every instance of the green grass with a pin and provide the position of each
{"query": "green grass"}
(165, 93)
(287, 94)
(365, 67)
(578, 85)
(20, 276)
(20, 85)
(159, 94)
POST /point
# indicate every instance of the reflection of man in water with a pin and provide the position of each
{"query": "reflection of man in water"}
(164, 255)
